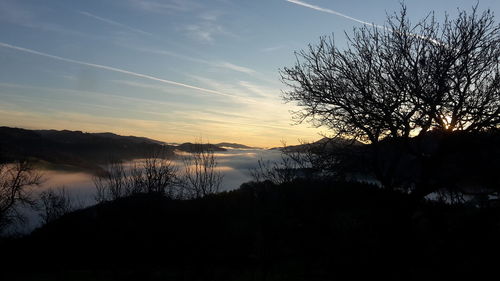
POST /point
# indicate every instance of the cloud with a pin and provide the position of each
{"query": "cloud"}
(168, 6)
(114, 69)
(259, 90)
(318, 8)
(100, 98)
(168, 53)
(202, 25)
(272, 48)
(13, 13)
(114, 23)
(204, 32)
(235, 67)
(211, 15)
(262, 124)
(219, 64)
(207, 29)
(223, 87)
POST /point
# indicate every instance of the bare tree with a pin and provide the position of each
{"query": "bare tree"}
(16, 180)
(403, 79)
(154, 174)
(277, 172)
(54, 203)
(113, 184)
(294, 162)
(201, 176)
(400, 81)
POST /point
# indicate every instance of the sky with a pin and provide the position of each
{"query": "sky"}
(173, 70)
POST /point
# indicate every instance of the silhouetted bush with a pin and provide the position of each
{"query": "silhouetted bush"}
(54, 203)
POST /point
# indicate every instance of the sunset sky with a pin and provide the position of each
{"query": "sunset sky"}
(172, 70)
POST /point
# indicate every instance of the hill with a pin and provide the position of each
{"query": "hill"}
(74, 148)
(315, 230)
(323, 144)
(83, 151)
(234, 145)
(195, 147)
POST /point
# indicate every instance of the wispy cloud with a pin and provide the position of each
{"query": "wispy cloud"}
(204, 31)
(114, 23)
(208, 28)
(219, 64)
(184, 117)
(235, 67)
(259, 94)
(156, 88)
(272, 48)
(102, 97)
(114, 69)
(14, 13)
(211, 15)
(330, 11)
(168, 6)
(218, 85)
(260, 90)
(202, 25)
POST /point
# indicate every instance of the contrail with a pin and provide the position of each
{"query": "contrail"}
(321, 9)
(114, 69)
(112, 22)
(318, 8)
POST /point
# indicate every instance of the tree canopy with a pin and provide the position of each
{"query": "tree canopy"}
(402, 79)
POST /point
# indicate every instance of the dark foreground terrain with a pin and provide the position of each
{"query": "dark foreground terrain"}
(296, 231)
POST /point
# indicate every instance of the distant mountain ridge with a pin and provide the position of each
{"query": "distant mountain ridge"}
(74, 148)
(195, 147)
(325, 143)
(87, 150)
(234, 145)
(71, 134)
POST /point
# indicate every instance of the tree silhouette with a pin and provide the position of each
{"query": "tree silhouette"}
(113, 184)
(155, 174)
(55, 203)
(402, 80)
(201, 176)
(16, 179)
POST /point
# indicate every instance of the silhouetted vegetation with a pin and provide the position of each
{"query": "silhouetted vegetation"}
(301, 230)
(55, 203)
(16, 181)
(403, 80)
(151, 175)
(155, 174)
(200, 177)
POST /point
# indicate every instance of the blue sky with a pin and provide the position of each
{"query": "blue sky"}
(173, 70)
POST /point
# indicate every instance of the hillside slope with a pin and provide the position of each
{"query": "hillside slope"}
(298, 231)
